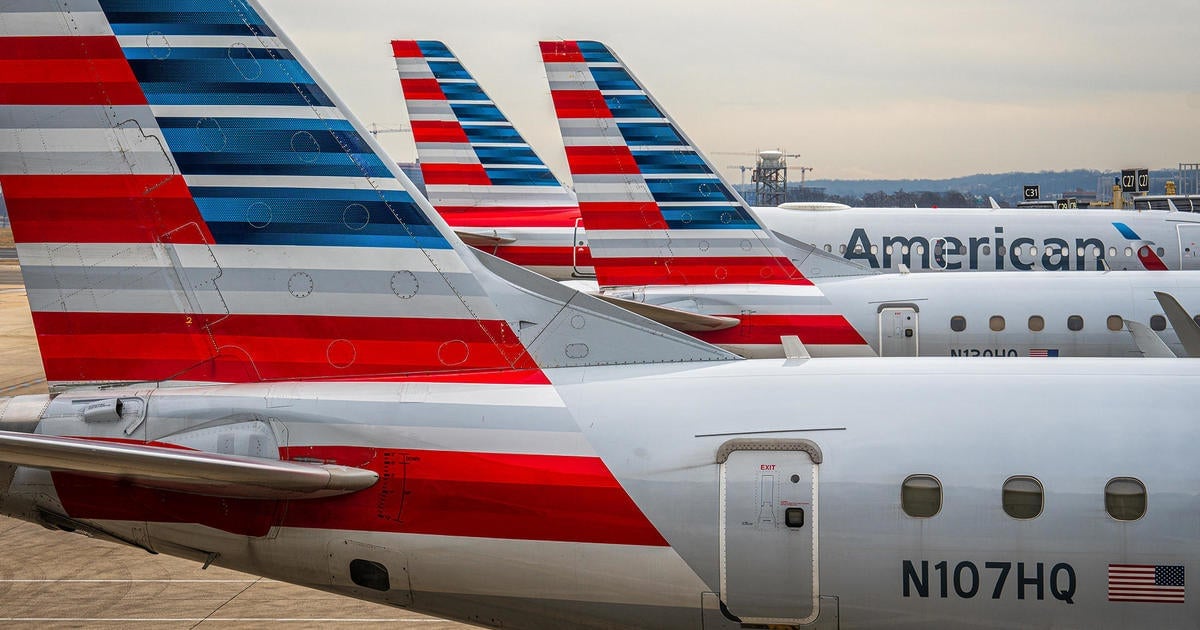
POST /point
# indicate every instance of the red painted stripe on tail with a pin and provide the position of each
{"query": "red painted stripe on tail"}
(438, 131)
(101, 209)
(615, 160)
(623, 215)
(159, 346)
(580, 104)
(405, 49)
(454, 174)
(66, 71)
(687, 271)
(422, 90)
(561, 52)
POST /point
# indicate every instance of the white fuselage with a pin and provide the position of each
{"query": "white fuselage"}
(956, 239)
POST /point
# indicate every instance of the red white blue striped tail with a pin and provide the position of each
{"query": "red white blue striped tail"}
(480, 173)
(191, 202)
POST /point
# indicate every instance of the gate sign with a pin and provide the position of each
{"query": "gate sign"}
(1067, 203)
(1135, 180)
(1033, 192)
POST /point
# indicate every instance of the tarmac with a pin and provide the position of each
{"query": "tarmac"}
(54, 579)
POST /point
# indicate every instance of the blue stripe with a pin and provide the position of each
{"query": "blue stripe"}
(448, 70)
(669, 162)
(632, 106)
(707, 218)
(472, 112)
(654, 134)
(235, 94)
(248, 67)
(613, 79)
(163, 53)
(183, 17)
(595, 52)
(463, 92)
(492, 134)
(521, 176)
(688, 190)
(430, 48)
(507, 155)
(1126, 231)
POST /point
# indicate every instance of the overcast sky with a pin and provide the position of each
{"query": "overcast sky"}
(862, 89)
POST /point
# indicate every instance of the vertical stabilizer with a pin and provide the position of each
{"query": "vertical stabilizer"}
(481, 175)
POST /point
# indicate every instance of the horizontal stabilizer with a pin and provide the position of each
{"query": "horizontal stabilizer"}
(683, 321)
(484, 239)
(1186, 328)
(192, 472)
(1151, 345)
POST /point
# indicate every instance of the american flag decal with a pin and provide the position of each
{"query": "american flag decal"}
(1043, 352)
(1145, 583)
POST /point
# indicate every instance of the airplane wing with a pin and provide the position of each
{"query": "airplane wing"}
(1147, 341)
(683, 321)
(483, 239)
(188, 471)
(1185, 327)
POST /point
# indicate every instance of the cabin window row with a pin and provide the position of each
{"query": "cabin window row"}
(1037, 323)
(986, 250)
(1023, 497)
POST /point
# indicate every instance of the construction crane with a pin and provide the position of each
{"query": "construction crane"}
(376, 129)
(743, 168)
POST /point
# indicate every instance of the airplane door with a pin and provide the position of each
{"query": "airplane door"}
(1189, 246)
(768, 530)
(898, 331)
(578, 246)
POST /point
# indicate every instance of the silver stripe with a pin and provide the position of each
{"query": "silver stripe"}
(45, 18)
(413, 68)
(294, 181)
(167, 42)
(424, 110)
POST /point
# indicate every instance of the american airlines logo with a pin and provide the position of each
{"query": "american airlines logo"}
(992, 252)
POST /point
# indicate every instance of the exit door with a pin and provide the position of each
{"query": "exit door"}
(768, 530)
(1189, 246)
(898, 331)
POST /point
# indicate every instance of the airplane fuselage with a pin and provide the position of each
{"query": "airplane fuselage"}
(955, 239)
(632, 496)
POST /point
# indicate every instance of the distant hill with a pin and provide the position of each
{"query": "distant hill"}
(1004, 187)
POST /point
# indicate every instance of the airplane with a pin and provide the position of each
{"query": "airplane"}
(437, 87)
(669, 235)
(997, 239)
(371, 408)
(480, 174)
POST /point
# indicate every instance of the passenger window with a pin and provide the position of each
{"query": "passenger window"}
(921, 496)
(958, 323)
(1112, 252)
(874, 249)
(1033, 250)
(1096, 251)
(1075, 323)
(1037, 323)
(1128, 251)
(1079, 251)
(919, 250)
(828, 248)
(841, 249)
(1022, 497)
(1115, 323)
(996, 323)
(1125, 499)
(888, 250)
(1000, 250)
(987, 250)
(1158, 323)
(1160, 251)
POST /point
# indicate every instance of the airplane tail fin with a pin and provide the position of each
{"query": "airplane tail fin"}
(191, 202)
(480, 173)
(656, 210)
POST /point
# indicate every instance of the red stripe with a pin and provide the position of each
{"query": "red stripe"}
(102, 209)
(66, 71)
(767, 329)
(438, 131)
(580, 104)
(560, 52)
(541, 255)
(612, 160)
(623, 215)
(140, 346)
(1150, 259)
(687, 271)
(446, 493)
(422, 90)
(405, 48)
(454, 174)
(501, 217)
